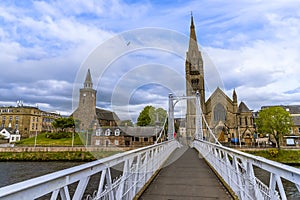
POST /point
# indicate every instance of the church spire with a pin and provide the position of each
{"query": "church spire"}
(88, 83)
(234, 96)
(193, 39)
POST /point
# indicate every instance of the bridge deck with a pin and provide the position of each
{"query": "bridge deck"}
(186, 177)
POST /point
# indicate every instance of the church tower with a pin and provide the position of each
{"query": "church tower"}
(194, 80)
(86, 110)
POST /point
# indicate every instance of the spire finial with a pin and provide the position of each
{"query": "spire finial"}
(192, 19)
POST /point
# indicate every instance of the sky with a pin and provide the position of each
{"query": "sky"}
(136, 51)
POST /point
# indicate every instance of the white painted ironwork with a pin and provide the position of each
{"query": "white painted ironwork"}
(237, 170)
(138, 166)
(171, 128)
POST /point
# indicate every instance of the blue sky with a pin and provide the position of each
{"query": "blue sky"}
(254, 46)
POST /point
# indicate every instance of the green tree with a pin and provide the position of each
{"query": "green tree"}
(149, 115)
(63, 123)
(126, 122)
(275, 121)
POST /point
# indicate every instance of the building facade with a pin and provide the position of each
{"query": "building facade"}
(229, 120)
(87, 116)
(27, 120)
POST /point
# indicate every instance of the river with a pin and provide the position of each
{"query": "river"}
(13, 172)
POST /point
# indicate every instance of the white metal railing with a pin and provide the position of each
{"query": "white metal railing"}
(138, 167)
(237, 170)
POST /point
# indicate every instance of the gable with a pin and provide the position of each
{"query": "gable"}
(218, 96)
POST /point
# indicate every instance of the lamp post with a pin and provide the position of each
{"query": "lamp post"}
(35, 139)
(73, 136)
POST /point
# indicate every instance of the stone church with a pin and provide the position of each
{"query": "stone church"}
(225, 117)
(87, 115)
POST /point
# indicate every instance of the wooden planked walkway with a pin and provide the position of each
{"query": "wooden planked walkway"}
(185, 176)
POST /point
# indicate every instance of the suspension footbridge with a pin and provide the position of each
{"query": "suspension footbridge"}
(169, 170)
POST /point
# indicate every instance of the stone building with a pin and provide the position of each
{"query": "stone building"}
(28, 120)
(87, 115)
(125, 136)
(228, 119)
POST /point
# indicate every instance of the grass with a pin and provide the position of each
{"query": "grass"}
(291, 157)
(42, 140)
(55, 156)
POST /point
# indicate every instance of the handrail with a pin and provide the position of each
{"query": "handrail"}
(236, 169)
(138, 167)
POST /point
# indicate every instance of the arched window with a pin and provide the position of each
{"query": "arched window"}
(219, 113)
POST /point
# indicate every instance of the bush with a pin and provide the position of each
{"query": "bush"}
(273, 152)
(58, 135)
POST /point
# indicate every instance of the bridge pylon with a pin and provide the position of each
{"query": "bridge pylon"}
(172, 102)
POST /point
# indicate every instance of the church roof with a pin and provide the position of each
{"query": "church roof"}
(106, 115)
(243, 108)
(218, 91)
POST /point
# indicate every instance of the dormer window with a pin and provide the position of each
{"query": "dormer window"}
(107, 132)
(117, 132)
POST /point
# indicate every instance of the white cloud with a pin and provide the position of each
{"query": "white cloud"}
(253, 44)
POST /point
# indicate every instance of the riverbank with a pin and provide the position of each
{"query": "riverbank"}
(286, 156)
(83, 154)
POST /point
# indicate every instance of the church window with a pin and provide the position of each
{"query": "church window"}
(246, 121)
(219, 113)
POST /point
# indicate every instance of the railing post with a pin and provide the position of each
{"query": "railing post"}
(171, 118)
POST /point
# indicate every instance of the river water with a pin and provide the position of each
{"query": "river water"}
(13, 172)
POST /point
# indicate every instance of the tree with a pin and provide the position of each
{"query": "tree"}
(63, 123)
(149, 115)
(126, 122)
(275, 121)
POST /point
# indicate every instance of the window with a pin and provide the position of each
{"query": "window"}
(137, 139)
(219, 113)
(246, 121)
(97, 142)
(98, 131)
(117, 132)
(10, 118)
(107, 132)
(116, 142)
(298, 130)
(17, 119)
(145, 139)
(32, 126)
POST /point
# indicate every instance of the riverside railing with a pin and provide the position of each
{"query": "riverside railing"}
(137, 167)
(237, 169)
